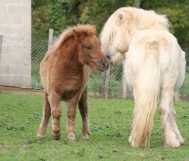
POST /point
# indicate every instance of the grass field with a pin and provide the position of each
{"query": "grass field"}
(110, 122)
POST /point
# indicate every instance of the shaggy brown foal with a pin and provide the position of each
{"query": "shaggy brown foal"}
(64, 73)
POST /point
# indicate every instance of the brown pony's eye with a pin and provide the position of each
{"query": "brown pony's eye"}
(88, 47)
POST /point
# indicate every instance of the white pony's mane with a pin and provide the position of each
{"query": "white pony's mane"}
(132, 20)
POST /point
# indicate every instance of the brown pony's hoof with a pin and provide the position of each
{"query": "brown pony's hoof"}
(56, 136)
(39, 136)
(71, 136)
(85, 137)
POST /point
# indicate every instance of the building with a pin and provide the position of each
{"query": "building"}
(15, 43)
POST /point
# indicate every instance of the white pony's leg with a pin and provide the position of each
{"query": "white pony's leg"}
(131, 140)
(174, 125)
(130, 137)
(172, 137)
(129, 84)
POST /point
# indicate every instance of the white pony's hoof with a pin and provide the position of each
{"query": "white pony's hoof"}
(132, 142)
(130, 139)
(181, 140)
(174, 144)
(172, 141)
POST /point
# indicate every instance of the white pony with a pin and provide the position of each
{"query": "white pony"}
(154, 68)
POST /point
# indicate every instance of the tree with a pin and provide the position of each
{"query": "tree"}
(177, 13)
(40, 23)
(97, 12)
(59, 14)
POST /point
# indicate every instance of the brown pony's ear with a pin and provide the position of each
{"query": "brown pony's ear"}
(75, 34)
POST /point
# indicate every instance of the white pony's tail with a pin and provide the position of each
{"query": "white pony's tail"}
(146, 94)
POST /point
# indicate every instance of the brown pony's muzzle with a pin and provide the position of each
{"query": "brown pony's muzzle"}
(103, 64)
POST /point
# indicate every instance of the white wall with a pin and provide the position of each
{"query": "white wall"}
(15, 56)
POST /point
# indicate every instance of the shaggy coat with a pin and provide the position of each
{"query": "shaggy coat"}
(64, 72)
(154, 67)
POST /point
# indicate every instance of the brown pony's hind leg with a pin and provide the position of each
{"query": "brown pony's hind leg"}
(45, 118)
(54, 100)
(83, 107)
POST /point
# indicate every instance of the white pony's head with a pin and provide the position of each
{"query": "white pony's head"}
(119, 29)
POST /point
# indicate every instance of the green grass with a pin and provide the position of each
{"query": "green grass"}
(185, 87)
(110, 122)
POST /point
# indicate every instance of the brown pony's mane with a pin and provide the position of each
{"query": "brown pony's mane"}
(81, 30)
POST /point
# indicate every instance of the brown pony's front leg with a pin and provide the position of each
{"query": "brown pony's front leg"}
(45, 118)
(54, 100)
(83, 107)
(71, 113)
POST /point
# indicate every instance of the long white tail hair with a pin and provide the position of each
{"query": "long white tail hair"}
(146, 93)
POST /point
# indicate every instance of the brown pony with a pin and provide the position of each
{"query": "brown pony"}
(64, 74)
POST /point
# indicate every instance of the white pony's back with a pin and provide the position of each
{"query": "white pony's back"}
(153, 63)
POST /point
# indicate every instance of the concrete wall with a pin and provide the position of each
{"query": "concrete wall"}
(15, 55)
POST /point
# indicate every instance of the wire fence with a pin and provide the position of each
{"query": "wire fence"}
(96, 79)
(95, 82)
(97, 85)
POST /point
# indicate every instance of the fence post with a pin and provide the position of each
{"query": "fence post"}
(124, 94)
(137, 3)
(50, 38)
(106, 76)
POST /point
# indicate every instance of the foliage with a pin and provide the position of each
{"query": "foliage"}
(40, 22)
(110, 122)
(58, 14)
(97, 12)
(177, 13)
(65, 13)
(56, 17)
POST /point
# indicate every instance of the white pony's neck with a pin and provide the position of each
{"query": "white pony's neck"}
(128, 21)
(143, 19)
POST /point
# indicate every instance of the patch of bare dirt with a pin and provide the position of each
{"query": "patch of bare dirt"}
(18, 90)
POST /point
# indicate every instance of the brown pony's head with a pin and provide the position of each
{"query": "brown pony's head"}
(90, 52)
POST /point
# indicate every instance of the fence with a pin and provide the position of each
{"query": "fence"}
(96, 82)
(97, 85)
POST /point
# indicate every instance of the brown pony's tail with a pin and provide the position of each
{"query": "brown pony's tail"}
(146, 94)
